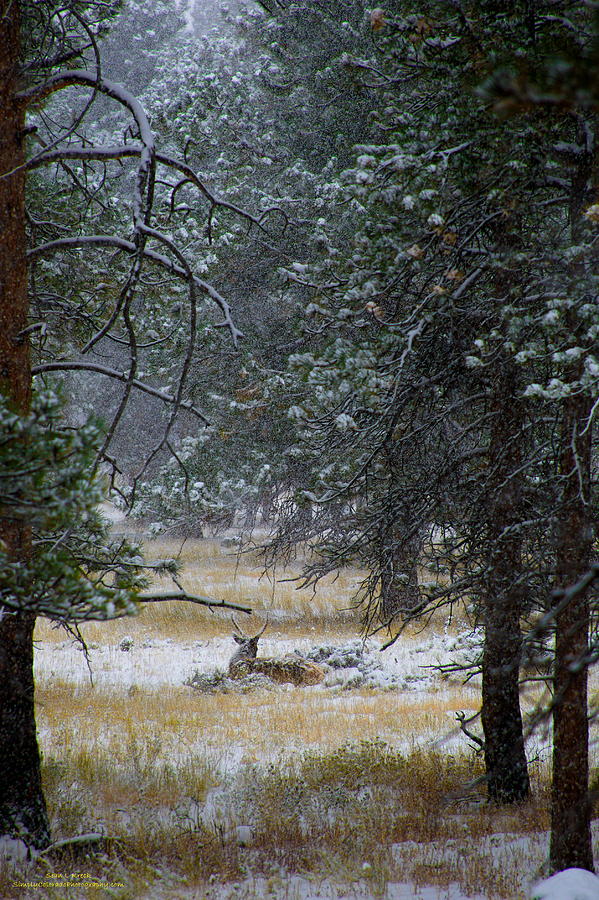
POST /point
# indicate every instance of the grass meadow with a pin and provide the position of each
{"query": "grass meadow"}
(289, 793)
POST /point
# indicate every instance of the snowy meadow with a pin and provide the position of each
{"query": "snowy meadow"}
(361, 786)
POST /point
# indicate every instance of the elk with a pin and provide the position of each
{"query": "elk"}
(289, 669)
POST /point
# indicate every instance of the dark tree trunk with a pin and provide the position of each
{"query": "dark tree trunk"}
(505, 756)
(15, 367)
(22, 805)
(570, 803)
(400, 592)
(571, 844)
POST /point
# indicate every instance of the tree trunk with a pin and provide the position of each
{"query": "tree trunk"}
(570, 803)
(400, 591)
(15, 367)
(505, 756)
(22, 805)
(571, 843)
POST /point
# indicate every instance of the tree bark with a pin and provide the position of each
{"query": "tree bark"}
(22, 805)
(505, 756)
(15, 366)
(571, 842)
(400, 591)
(570, 803)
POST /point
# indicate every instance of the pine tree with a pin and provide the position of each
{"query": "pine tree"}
(434, 329)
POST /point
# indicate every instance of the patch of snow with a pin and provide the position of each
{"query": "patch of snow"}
(299, 887)
(111, 512)
(571, 884)
(14, 849)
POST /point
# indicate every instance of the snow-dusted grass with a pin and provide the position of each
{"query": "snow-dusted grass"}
(218, 570)
(228, 728)
(357, 787)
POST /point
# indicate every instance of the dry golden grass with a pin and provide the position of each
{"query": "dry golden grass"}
(362, 812)
(258, 725)
(210, 570)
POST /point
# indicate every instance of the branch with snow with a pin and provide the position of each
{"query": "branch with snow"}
(131, 151)
(145, 173)
(125, 246)
(119, 376)
(162, 597)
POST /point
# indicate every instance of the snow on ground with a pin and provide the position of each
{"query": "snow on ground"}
(297, 887)
(572, 884)
(154, 663)
(407, 668)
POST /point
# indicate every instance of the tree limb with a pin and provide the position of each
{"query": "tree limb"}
(164, 596)
(120, 376)
(131, 151)
(104, 240)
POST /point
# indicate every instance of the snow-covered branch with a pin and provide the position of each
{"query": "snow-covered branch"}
(131, 151)
(145, 173)
(118, 243)
(191, 598)
(119, 376)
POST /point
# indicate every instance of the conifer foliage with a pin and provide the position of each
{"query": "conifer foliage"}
(420, 380)
(454, 340)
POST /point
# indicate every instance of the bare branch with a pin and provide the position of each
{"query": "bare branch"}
(185, 367)
(103, 240)
(463, 723)
(119, 376)
(85, 614)
(71, 77)
(191, 598)
(131, 151)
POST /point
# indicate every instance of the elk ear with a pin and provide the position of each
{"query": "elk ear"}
(237, 639)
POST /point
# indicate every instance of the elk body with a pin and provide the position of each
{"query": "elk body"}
(289, 669)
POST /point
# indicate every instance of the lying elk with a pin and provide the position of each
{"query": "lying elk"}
(289, 669)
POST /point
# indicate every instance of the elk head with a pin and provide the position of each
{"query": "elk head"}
(248, 646)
